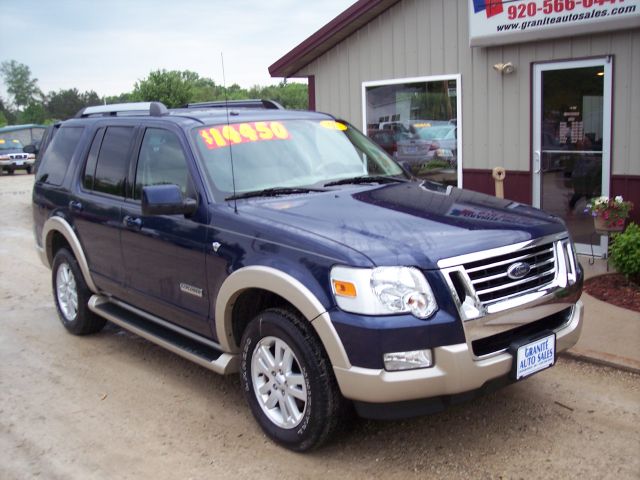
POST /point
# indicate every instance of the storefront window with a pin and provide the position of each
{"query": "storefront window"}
(417, 122)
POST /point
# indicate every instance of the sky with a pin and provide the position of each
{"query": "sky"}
(108, 45)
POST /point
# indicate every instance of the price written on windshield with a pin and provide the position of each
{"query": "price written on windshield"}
(224, 135)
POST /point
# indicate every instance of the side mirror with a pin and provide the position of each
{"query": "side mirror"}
(31, 148)
(166, 200)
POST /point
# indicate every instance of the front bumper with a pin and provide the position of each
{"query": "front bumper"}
(13, 164)
(456, 371)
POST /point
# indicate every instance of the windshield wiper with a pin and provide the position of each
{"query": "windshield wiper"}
(366, 179)
(273, 192)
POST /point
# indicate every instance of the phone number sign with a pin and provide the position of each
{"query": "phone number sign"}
(497, 22)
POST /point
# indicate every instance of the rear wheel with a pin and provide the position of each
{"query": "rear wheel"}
(71, 295)
(288, 380)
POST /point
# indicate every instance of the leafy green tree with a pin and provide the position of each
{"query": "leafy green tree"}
(3, 120)
(22, 89)
(173, 88)
(204, 89)
(33, 113)
(90, 98)
(6, 113)
(293, 96)
(65, 104)
(122, 98)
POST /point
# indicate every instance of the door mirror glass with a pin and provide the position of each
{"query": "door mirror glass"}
(166, 200)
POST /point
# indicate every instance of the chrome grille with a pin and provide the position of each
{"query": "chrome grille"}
(492, 283)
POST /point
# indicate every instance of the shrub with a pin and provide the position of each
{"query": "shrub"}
(625, 252)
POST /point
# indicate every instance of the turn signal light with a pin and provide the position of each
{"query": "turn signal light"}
(344, 289)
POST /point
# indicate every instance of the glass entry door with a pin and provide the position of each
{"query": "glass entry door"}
(571, 139)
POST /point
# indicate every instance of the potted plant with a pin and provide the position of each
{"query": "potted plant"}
(609, 214)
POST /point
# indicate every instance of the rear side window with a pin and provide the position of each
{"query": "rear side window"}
(58, 155)
(112, 163)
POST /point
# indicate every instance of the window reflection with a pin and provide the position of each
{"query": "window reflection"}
(416, 123)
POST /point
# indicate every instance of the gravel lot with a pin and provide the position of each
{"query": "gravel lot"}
(115, 406)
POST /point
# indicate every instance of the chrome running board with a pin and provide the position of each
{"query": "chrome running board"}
(182, 342)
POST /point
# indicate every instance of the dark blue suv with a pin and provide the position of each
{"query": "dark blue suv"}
(288, 247)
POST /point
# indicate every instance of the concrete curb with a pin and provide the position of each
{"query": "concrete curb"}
(605, 359)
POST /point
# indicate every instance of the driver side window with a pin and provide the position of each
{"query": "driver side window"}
(161, 162)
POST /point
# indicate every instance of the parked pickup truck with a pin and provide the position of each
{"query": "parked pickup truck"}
(287, 247)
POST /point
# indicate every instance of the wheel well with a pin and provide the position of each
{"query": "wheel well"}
(249, 304)
(55, 242)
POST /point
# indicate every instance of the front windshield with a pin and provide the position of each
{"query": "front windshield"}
(287, 153)
(10, 144)
(436, 133)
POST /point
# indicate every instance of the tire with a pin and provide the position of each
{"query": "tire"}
(71, 296)
(305, 407)
(29, 170)
(11, 172)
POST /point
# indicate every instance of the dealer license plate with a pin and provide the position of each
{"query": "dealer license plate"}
(410, 150)
(535, 356)
(19, 164)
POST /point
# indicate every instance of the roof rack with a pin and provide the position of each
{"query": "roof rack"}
(154, 109)
(249, 103)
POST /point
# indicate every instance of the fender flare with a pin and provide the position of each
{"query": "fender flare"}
(60, 225)
(284, 285)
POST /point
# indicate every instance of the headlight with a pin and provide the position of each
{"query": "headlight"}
(383, 291)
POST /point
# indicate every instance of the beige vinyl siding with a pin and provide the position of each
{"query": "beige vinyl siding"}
(418, 38)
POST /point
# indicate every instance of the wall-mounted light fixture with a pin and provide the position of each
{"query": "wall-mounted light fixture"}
(505, 68)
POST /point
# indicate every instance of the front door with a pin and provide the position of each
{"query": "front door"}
(571, 143)
(164, 255)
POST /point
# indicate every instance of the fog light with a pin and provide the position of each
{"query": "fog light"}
(408, 360)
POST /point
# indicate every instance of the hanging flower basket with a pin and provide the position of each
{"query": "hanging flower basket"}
(609, 214)
(603, 225)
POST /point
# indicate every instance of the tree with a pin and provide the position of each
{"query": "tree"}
(33, 113)
(20, 86)
(90, 98)
(290, 95)
(122, 98)
(7, 114)
(173, 88)
(65, 104)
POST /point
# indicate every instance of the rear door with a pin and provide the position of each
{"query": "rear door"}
(97, 205)
(164, 255)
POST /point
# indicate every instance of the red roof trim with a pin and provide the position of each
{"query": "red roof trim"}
(356, 16)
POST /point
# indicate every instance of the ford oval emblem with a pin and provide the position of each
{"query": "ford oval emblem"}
(518, 270)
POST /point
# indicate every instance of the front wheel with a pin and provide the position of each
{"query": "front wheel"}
(288, 380)
(71, 295)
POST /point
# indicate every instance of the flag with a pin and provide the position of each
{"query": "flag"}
(491, 7)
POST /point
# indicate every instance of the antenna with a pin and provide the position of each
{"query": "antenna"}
(226, 107)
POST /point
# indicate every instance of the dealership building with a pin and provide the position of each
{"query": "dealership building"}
(549, 90)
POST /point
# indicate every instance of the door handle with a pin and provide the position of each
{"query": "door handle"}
(536, 162)
(75, 206)
(135, 223)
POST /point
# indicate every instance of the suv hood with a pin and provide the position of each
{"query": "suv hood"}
(407, 223)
